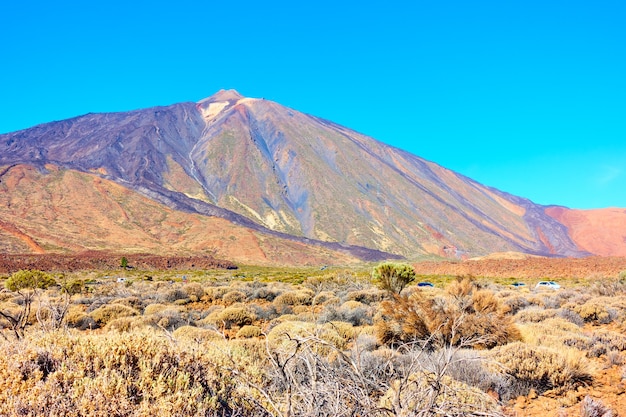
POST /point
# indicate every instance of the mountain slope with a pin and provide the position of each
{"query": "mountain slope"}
(56, 210)
(278, 171)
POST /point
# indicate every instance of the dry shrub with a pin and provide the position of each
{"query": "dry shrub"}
(608, 287)
(553, 332)
(155, 308)
(194, 291)
(106, 313)
(78, 319)
(367, 296)
(326, 298)
(594, 408)
(197, 334)
(126, 374)
(534, 315)
(289, 334)
(228, 317)
(515, 303)
(249, 331)
(232, 297)
(294, 298)
(133, 302)
(402, 320)
(426, 394)
(597, 310)
(541, 368)
(601, 343)
(213, 294)
(471, 316)
(465, 316)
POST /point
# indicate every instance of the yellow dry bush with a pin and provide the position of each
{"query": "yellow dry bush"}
(194, 291)
(599, 310)
(346, 330)
(228, 317)
(215, 293)
(249, 331)
(294, 298)
(552, 332)
(367, 296)
(289, 333)
(233, 297)
(326, 298)
(534, 315)
(543, 368)
(155, 308)
(197, 334)
(102, 315)
(437, 396)
(351, 305)
(133, 302)
(143, 373)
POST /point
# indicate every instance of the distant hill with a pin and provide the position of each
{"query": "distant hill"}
(250, 179)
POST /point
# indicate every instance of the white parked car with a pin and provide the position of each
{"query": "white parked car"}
(551, 285)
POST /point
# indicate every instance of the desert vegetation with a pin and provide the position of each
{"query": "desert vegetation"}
(308, 342)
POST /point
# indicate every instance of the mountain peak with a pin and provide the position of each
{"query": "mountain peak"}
(223, 95)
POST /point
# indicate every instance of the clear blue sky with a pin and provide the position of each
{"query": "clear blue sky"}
(526, 96)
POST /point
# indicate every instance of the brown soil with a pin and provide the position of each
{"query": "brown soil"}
(10, 263)
(530, 267)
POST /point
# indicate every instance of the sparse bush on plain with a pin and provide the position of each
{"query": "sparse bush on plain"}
(232, 297)
(541, 368)
(249, 331)
(294, 298)
(594, 408)
(102, 315)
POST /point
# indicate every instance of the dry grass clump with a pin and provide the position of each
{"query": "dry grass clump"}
(541, 368)
(248, 332)
(77, 318)
(289, 334)
(236, 315)
(594, 408)
(232, 297)
(196, 334)
(294, 298)
(424, 393)
(367, 296)
(132, 302)
(213, 294)
(194, 291)
(326, 298)
(596, 310)
(534, 315)
(106, 313)
(553, 332)
(118, 375)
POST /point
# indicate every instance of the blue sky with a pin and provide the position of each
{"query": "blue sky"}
(525, 96)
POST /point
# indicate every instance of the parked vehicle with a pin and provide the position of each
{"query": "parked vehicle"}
(425, 284)
(518, 285)
(547, 285)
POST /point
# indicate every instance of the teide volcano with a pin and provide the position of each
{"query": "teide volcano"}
(157, 180)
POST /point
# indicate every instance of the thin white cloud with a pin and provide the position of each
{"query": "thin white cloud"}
(607, 175)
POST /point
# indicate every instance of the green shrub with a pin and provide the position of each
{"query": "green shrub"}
(393, 277)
